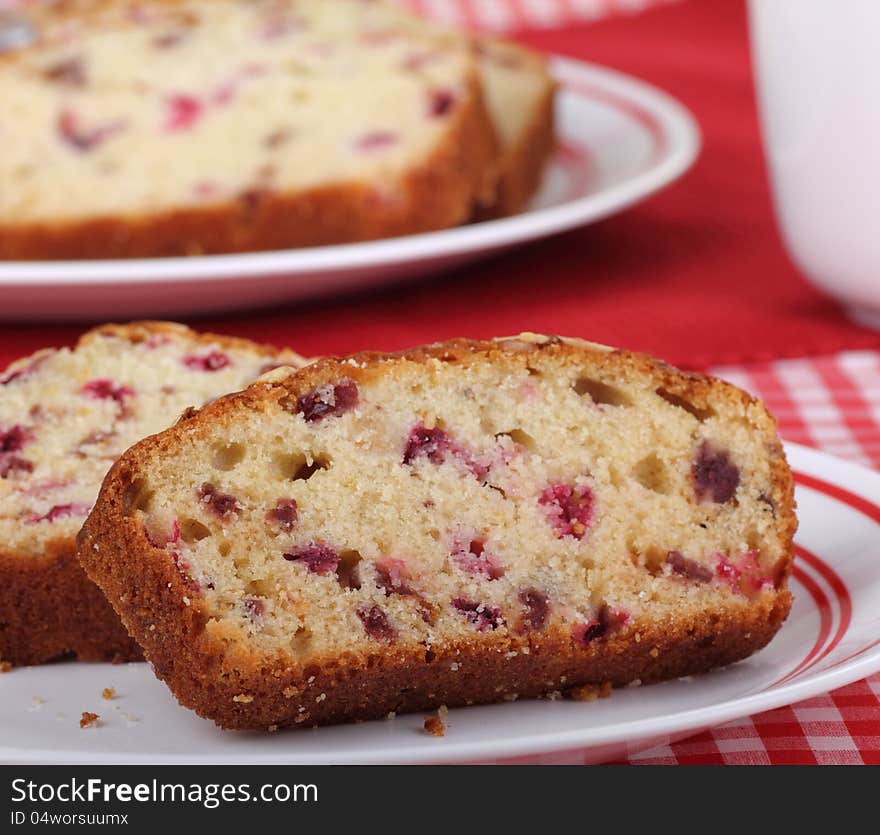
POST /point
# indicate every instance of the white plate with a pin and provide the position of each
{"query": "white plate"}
(621, 140)
(831, 638)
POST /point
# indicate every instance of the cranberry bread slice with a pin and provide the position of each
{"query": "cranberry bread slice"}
(190, 126)
(462, 523)
(520, 94)
(65, 416)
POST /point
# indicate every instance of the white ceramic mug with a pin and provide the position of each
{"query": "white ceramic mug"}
(817, 71)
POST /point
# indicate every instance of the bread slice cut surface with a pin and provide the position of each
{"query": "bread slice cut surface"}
(463, 523)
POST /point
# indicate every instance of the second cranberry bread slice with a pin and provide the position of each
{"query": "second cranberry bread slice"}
(463, 523)
(65, 416)
(192, 126)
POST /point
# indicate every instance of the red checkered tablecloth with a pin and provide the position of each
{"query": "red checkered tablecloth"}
(829, 402)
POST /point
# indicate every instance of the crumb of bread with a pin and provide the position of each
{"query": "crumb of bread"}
(89, 720)
(244, 698)
(108, 693)
(272, 728)
(589, 692)
(434, 725)
(5, 667)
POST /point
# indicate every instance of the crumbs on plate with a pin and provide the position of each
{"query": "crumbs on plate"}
(434, 725)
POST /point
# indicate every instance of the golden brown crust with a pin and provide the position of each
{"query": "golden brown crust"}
(240, 688)
(522, 168)
(435, 195)
(49, 609)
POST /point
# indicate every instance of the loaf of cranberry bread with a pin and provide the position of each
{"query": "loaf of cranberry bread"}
(520, 94)
(462, 523)
(65, 416)
(197, 126)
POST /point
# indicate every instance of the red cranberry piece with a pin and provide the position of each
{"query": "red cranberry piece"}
(714, 475)
(441, 103)
(317, 557)
(70, 72)
(62, 511)
(212, 361)
(14, 464)
(537, 610)
(569, 508)
(437, 445)
(24, 371)
(70, 130)
(481, 615)
(376, 623)
(433, 444)
(107, 390)
(727, 572)
(15, 438)
(330, 400)
(586, 633)
(689, 569)
(224, 505)
(742, 576)
(473, 558)
(182, 112)
(284, 514)
(607, 619)
(376, 140)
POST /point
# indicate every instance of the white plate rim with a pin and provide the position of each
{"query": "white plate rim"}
(679, 131)
(852, 477)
